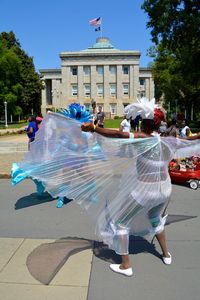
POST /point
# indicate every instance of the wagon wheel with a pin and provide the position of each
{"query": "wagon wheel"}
(194, 184)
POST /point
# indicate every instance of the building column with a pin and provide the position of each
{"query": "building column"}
(81, 95)
(65, 88)
(152, 88)
(147, 89)
(119, 82)
(131, 84)
(135, 81)
(106, 85)
(56, 93)
(93, 82)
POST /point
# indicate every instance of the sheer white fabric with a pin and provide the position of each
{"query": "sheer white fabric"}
(123, 183)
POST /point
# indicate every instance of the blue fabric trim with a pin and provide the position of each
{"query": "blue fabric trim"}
(17, 174)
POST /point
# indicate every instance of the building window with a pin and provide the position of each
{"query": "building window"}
(125, 70)
(113, 89)
(142, 81)
(113, 108)
(87, 90)
(100, 90)
(74, 90)
(74, 71)
(113, 70)
(100, 70)
(126, 89)
(86, 70)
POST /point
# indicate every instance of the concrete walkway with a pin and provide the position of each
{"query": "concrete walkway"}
(12, 149)
(17, 283)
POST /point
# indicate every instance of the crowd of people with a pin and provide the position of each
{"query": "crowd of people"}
(173, 127)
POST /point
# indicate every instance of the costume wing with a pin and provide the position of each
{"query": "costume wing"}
(118, 181)
(99, 173)
(182, 147)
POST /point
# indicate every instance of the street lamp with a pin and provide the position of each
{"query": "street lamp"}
(6, 119)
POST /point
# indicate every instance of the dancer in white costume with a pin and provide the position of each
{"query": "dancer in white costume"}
(122, 181)
(150, 193)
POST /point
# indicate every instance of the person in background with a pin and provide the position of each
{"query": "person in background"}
(31, 130)
(93, 111)
(39, 119)
(100, 117)
(185, 130)
(125, 125)
(172, 130)
(137, 123)
(162, 127)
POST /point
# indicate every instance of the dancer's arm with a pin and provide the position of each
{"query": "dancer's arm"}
(111, 132)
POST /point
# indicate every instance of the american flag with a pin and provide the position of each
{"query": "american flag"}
(95, 22)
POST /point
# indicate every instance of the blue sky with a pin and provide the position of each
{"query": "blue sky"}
(47, 27)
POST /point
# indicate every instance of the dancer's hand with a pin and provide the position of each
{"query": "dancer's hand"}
(88, 127)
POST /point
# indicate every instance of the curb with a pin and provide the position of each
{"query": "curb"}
(13, 131)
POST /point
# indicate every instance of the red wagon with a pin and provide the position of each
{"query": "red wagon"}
(186, 170)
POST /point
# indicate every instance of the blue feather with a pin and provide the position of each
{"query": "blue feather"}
(77, 112)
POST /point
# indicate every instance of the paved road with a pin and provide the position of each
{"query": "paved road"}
(23, 214)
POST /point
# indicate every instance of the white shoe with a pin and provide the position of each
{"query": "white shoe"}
(167, 260)
(126, 272)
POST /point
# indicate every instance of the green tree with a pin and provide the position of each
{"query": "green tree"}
(175, 30)
(10, 87)
(20, 84)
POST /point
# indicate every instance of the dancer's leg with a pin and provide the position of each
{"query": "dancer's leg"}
(125, 262)
(161, 237)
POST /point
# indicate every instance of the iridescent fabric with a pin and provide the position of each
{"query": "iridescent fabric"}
(123, 183)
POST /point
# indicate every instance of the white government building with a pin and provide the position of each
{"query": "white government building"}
(112, 77)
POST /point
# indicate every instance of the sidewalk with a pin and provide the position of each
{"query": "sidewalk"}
(12, 149)
(17, 283)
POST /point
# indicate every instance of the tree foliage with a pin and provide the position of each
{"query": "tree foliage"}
(20, 84)
(175, 30)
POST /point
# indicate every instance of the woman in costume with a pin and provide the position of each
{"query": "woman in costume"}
(150, 193)
(124, 190)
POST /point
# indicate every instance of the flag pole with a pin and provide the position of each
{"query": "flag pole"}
(101, 31)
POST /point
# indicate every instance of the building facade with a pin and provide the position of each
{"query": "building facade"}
(110, 76)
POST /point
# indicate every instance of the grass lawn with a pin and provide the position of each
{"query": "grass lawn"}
(10, 126)
(108, 123)
(112, 123)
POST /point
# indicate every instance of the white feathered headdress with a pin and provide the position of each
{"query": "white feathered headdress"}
(143, 107)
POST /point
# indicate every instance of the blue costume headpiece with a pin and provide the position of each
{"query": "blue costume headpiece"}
(77, 112)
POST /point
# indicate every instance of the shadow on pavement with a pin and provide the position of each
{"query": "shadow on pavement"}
(136, 245)
(32, 199)
(45, 261)
(35, 199)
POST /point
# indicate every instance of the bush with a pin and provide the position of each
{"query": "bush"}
(116, 117)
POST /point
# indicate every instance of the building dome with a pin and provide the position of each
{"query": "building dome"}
(102, 43)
